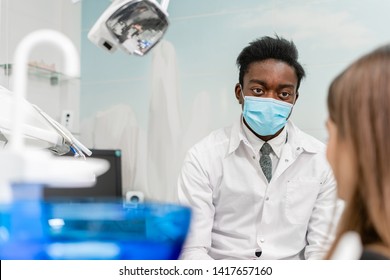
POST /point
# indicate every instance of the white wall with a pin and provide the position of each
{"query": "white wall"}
(20, 17)
(207, 36)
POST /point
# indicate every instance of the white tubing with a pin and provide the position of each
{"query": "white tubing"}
(23, 50)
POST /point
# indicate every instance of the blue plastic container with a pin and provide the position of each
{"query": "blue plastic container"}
(109, 230)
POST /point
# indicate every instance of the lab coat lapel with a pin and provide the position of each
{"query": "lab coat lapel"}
(288, 156)
(291, 150)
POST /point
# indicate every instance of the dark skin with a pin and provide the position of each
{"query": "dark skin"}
(269, 79)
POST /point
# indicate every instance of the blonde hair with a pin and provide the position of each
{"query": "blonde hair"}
(359, 105)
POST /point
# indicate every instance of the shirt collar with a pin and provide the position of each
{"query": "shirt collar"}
(291, 133)
(276, 143)
(241, 133)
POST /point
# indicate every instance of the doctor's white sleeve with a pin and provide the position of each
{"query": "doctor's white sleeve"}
(195, 191)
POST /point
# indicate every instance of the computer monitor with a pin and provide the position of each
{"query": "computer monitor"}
(108, 185)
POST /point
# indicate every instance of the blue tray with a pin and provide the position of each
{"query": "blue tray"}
(110, 230)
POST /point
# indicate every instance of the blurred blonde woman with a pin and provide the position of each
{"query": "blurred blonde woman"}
(359, 151)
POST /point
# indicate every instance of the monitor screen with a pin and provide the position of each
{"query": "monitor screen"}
(108, 185)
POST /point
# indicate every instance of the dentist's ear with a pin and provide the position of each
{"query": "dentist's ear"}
(295, 101)
(238, 93)
(296, 97)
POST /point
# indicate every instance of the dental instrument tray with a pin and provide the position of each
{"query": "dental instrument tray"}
(110, 230)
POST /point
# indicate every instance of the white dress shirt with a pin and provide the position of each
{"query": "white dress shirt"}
(236, 212)
(276, 143)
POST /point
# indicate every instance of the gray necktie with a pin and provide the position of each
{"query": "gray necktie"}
(265, 161)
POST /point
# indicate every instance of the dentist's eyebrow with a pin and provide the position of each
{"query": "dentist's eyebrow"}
(264, 83)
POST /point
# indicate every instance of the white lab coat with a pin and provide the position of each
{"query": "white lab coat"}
(236, 211)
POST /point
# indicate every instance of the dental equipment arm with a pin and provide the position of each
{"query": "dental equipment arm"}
(69, 141)
(39, 129)
(33, 168)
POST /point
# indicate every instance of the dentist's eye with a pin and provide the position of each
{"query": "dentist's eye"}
(285, 95)
(258, 91)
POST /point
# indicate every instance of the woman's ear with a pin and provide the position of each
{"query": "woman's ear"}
(238, 93)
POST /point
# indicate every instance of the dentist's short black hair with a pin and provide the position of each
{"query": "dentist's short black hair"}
(270, 48)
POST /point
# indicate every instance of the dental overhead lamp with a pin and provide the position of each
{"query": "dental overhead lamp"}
(134, 26)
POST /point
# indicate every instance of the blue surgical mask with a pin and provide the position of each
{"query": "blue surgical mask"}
(265, 116)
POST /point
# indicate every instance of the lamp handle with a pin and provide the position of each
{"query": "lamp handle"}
(164, 4)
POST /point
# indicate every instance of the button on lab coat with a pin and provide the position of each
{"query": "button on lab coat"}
(236, 212)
